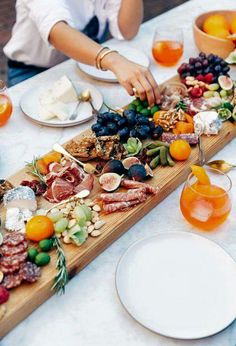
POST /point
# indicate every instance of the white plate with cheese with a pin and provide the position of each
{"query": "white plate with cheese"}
(53, 103)
(132, 54)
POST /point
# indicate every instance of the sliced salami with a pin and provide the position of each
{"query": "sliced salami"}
(7, 261)
(13, 239)
(30, 272)
(119, 206)
(10, 269)
(7, 250)
(135, 194)
(12, 280)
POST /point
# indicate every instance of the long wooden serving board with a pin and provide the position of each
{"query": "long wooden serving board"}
(24, 299)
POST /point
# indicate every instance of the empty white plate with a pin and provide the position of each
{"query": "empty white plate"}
(30, 105)
(132, 54)
(178, 284)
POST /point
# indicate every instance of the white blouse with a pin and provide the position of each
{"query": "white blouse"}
(35, 18)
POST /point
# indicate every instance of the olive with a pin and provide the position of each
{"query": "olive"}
(136, 102)
(139, 108)
(131, 107)
(145, 112)
(154, 109)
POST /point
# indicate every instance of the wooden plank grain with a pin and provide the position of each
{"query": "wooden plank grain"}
(26, 298)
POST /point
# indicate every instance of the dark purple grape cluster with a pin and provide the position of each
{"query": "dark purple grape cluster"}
(204, 65)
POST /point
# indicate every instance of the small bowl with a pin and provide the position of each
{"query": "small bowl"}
(210, 44)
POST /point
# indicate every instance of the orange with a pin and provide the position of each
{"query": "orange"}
(215, 21)
(42, 167)
(39, 227)
(180, 150)
(201, 175)
(233, 26)
(219, 32)
(53, 156)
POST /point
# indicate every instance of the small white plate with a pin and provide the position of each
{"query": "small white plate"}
(30, 105)
(178, 284)
(132, 54)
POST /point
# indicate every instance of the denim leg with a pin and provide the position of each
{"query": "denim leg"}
(17, 75)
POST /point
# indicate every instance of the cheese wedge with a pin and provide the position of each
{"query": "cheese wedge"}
(63, 90)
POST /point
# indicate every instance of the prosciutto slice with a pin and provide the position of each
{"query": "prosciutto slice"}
(138, 194)
(59, 190)
(86, 184)
(132, 184)
(119, 206)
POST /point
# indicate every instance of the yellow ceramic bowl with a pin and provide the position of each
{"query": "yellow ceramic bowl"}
(210, 44)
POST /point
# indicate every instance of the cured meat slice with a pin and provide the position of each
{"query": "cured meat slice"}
(12, 280)
(59, 190)
(7, 250)
(29, 272)
(10, 268)
(13, 238)
(191, 138)
(136, 194)
(132, 184)
(86, 184)
(17, 259)
(119, 206)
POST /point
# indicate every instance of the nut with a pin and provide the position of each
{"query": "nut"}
(81, 201)
(71, 223)
(67, 239)
(94, 213)
(95, 233)
(58, 235)
(90, 229)
(95, 219)
(55, 210)
(88, 223)
(99, 224)
(1, 276)
(64, 233)
(89, 202)
(96, 207)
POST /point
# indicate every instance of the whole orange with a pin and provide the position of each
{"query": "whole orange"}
(39, 227)
(219, 32)
(180, 150)
(233, 26)
(215, 21)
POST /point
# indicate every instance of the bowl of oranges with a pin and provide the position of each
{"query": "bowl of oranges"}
(215, 32)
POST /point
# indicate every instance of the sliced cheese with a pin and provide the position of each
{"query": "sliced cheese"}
(45, 113)
(47, 98)
(64, 91)
(60, 110)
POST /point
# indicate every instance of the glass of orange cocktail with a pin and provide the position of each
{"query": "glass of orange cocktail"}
(5, 104)
(206, 205)
(167, 47)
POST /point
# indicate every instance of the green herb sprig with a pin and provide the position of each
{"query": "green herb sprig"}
(62, 276)
(181, 105)
(33, 170)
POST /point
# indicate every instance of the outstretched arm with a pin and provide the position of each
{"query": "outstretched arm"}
(130, 17)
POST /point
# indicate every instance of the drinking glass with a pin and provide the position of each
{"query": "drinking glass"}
(167, 47)
(207, 206)
(5, 104)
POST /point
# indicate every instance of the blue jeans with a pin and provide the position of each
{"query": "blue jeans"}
(19, 74)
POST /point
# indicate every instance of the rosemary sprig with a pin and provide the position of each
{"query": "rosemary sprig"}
(61, 277)
(181, 105)
(33, 169)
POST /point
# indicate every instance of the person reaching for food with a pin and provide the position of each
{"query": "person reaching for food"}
(48, 32)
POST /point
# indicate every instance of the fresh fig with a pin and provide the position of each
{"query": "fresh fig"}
(110, 181)
(137, 172)
(130, 161)
(114, 166)
(225, 82)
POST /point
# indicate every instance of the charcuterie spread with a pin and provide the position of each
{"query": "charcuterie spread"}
(139, 154)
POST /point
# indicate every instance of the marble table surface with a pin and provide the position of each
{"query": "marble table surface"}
(90, 313)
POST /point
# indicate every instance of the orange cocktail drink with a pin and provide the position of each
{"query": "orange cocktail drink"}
(206, 205)
(5, 104)
(167, 47)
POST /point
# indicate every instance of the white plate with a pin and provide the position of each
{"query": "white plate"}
(132, 54)
(178, 284)
(30, 105)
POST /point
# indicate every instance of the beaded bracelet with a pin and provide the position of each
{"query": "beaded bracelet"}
(102, 56)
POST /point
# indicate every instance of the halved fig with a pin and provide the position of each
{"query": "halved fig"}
(225, 82)
(130, 161)
(148, 170)
(110, 181)
(114, 166)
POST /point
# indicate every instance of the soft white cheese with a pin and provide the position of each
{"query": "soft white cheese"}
(14, 220)
(45, 113)
(21, 197)
(60, 110)
(64, 91)
(207, 123)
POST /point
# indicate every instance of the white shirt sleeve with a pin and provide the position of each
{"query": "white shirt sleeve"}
(46, 13)
(112, 8)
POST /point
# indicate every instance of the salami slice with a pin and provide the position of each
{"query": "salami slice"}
(30, 272)
(119, 206)
(13, 239)
(12, 280)
(7, 261)
(7, 250)
(10, 269)
(138, 194)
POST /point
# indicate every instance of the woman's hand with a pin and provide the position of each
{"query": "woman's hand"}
(133, 76)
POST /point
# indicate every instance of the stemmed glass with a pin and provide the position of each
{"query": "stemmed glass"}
(5, 104)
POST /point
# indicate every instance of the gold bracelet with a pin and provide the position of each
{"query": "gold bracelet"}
(102, 56)
(99, 52)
